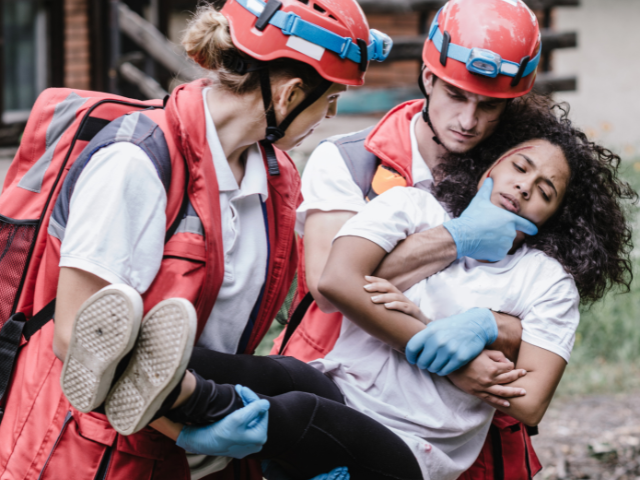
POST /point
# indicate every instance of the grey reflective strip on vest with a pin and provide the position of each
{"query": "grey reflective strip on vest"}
(191, 223)
(361, 162)
(137, 129)
(55, 229)
(127, 128)
(63, 116)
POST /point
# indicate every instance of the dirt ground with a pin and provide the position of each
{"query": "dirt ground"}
(595, 437)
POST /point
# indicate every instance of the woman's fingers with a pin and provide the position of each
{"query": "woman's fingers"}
(494, 401)
(399, 306)
(509, 377)
(388, 298)
(379, 285)
(506, 392)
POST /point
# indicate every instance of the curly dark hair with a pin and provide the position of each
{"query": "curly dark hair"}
(589, 234)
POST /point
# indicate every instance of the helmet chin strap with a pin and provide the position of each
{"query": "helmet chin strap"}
(274, 131)
(425, 110)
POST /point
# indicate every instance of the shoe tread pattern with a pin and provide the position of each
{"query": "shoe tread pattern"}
(157, 355)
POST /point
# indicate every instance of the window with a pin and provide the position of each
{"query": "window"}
(26, 56)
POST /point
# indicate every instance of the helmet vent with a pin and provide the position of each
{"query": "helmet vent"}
(319, 8)
(306, 2)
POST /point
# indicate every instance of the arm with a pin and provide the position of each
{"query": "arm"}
(74, 287)
(544, 371)
(320, 228)
(343, 281)
(418, 257)
(509, 335)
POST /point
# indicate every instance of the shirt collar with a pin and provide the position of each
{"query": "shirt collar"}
(419, 169)
(255, 175)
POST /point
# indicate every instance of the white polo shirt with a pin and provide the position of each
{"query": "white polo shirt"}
(327, 184)
(117, 223)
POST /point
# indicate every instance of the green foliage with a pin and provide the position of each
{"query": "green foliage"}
(606, 356)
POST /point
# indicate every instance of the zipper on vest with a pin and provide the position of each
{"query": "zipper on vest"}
(186, 259)
(64, 427)
(105, 463)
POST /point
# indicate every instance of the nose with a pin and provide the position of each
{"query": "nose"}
(468, 117)
(525, 190)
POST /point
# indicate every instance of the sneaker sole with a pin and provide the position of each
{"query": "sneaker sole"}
(104, 331)
(159, 360)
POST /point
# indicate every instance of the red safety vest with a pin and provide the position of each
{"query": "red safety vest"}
(41, 435)
(379, 159)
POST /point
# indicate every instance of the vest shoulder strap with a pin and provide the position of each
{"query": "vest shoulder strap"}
(361, 162)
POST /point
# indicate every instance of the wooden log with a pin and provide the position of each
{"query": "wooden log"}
(547, 83)
(147, 85)
(404, 6)
(162, 50)
(410, 48)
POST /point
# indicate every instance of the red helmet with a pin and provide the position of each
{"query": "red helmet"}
(326, 34)
(487, 47)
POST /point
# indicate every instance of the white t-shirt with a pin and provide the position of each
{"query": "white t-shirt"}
(117, 223)
(444, 427)
(327, 184)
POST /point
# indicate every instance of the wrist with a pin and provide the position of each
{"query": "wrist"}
(454, 228)
(487, 322)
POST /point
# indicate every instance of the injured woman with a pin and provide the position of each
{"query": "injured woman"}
(372, 407)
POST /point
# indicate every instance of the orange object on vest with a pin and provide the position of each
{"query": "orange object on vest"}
(41, 435)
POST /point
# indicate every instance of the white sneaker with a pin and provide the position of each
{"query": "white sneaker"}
(157, 365)
(104, 331)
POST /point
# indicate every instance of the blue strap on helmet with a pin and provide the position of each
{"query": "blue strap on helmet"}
(481, 61)
(292, 24)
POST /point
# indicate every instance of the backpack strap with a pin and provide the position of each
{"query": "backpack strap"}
(498, 461)
(10, 337)
(361, 162)
(295, 319)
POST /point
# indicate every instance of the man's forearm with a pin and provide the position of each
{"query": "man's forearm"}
(418, 257)
(509, 335)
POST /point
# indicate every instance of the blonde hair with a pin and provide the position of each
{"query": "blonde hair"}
(208, 42)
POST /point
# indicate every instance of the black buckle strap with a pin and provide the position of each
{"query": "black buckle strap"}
(296, 319)
(10, 338)
(39, 320)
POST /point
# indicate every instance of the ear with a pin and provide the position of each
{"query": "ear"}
(287, 95)
(427, 78)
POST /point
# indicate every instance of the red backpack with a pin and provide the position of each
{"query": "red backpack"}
(61, 124)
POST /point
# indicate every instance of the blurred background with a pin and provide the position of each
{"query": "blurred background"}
(590, 60)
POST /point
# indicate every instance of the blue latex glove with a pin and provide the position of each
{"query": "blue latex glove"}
(450, 343)
(484, 231)
(273, 471)
(237, 435)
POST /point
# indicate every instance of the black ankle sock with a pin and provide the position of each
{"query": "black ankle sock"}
(209, 403)
(166, 406)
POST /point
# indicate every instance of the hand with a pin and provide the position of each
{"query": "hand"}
(273, 471)
(237, 435)
(449, 343)
(392, 298)
(485, 377)
(340, 473)
(484, 231)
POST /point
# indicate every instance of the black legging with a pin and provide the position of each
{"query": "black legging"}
(311, 431)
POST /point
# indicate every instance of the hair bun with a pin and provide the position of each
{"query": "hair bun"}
(207, 37)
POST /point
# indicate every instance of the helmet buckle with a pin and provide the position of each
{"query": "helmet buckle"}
(344, 50)
(291, 24)
(274, 134)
